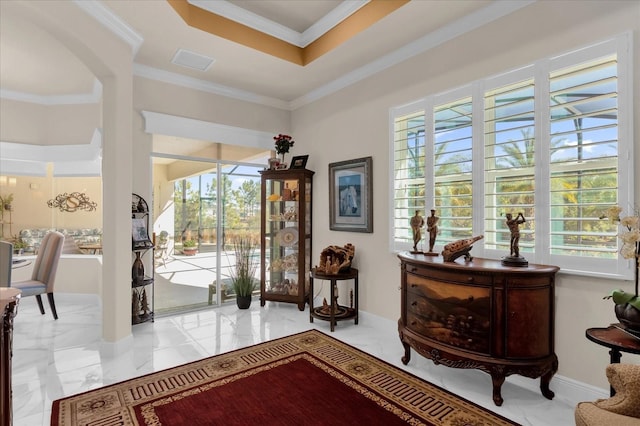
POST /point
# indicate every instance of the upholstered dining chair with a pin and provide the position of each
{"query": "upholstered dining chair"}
(44, 271)
(6, 261)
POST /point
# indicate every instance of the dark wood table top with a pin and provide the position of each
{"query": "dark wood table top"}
(351, 273)
(614, 337)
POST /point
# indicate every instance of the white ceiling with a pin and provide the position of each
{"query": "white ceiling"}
(33, 66)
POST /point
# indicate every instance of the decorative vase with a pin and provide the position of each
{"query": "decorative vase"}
(137, 270)
(629, 317)
(243, 302)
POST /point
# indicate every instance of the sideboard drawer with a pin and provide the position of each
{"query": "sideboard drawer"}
(453, 276)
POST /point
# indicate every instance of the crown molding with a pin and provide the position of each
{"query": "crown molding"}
(206, 86)
(492, 12)
(112, 22)
(463, 25)
(73, 99)
(330, 20)
(23, 159)
(267, 26)
(171, 125)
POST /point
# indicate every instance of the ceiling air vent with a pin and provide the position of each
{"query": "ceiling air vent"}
(186, 58)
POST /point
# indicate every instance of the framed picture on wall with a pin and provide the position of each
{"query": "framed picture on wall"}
(351, 195)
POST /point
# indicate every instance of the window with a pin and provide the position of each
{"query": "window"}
(509, 163)
(409, 169)
(552, 140)
(452, 140)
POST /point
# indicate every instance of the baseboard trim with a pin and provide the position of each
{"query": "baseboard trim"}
(566, 389)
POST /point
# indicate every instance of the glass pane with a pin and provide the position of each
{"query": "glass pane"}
(206, 205)
(409, 173)
(509, 164)
(584, 150)
(452, 170)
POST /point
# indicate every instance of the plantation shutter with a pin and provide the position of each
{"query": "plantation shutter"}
(409, 172)
(583, 111)
(509, 141)
(453, 143)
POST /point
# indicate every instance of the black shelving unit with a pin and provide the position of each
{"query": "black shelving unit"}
(142, 277)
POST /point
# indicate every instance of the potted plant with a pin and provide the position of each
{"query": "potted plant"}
(189, 247)
(627, 305)
(243, 274)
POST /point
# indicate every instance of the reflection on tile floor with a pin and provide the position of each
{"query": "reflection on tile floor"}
(53, 359)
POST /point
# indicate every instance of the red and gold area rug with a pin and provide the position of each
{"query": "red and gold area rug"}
(304, 379)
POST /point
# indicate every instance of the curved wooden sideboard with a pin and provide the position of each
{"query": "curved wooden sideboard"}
(480, 314)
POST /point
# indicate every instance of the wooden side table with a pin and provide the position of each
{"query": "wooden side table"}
(616, 339)
(333, 312)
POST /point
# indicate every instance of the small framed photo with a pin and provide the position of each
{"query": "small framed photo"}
(351, 195)
(299, 162)
(139, 233)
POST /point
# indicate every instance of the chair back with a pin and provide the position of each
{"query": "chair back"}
(6, 262)
(44, 270)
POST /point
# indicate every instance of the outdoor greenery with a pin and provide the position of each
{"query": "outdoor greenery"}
(578, 207)
(196, 202)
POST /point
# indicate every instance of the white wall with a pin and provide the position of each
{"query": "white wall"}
(354, 123)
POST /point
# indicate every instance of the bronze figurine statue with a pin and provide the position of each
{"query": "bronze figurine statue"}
(417, 222)
(514, 259)
(432, 228)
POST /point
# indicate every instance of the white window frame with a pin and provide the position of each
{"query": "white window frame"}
(617, 268)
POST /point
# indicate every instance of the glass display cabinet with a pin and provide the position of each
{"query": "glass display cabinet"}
(285, 246)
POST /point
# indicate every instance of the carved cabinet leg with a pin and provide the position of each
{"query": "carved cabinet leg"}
(407, 352)
(544, 384)
(498, 379)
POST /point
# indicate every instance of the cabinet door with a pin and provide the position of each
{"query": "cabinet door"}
(281, 237)
(528, 319)
(458, 315)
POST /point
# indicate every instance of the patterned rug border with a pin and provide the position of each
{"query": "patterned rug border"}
(225, 360)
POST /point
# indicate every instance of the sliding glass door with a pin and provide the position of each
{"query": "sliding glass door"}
(200, 207)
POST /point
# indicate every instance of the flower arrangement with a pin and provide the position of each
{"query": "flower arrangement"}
(630, 237)
(283, 143)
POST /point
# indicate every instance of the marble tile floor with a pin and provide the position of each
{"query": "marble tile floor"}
(53, 359)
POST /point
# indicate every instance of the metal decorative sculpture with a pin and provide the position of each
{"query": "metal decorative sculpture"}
(514, 258)
(72, 202)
